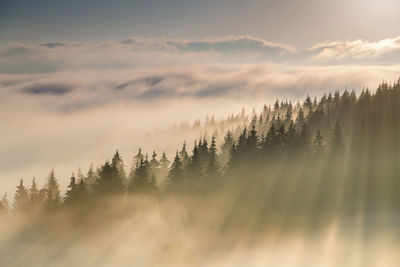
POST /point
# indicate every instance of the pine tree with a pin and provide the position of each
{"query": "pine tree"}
(138, 158)
(175, 175)
(304, 138)
(337, 142)
(21, 198)
(226, 148)
(288, 116)
(53, 198)
(154, 162)
(72, 192)
(118, 164)
(212, 168)
(300, 120)
(183, 155)
(242, 142)
(194, 167)
(252, 140)
(318, 144)
(308, 104)
(203, 152)
(109, 181)
(34, 195)
(164, 161)
(139, 182)
(82, 190)
(5, 205)
(90, 179)
(281, 137)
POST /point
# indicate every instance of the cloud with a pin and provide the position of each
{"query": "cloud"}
(51, 89)
(355, 50)
(221, 44)
(52, 45)
(138, 53)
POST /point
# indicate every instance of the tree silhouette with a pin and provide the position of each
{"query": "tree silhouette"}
(337, 142)
(35, 196)
(21, 198)
(53, 197)
(72, 192)
(212, 167)
(175, 175)
(109, 181)
(184, 156)
(318, 144)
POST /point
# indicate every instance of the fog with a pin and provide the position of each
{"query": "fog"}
(57, 120)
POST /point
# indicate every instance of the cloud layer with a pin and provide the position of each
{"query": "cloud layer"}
(137, 52)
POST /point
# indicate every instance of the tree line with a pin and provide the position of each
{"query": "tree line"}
(339, 127)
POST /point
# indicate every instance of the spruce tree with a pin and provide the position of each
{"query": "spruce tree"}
(288, 116)
(138, 158)
(194, 169)
(72, 192)
(226, 148)
(5, 204)
(118, 164)
(212, 168)
(300, 119)
(318, 144)
(109, 181)
(21, 198)
(337, 142)
(154, 162)
(90, 178)
(252, 140)
(34, 195)
(184, 156)
(175, 175)
(164, 162)
(82, 190)
(53, 198)
(139, 181)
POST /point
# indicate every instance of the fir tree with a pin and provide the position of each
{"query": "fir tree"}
(154, 162)
(212, 168)
(71, 194)
(5, 205)
(164, 162)
(288, 116)
(109, 181)
(226, 148)
(118, 164)
(138, 158)
(34, 195)
(175, 175)
(183, 155)
(21, 198)
(337, 142)
(318, 144)
(194, 168)
(252, 140)
(53, 198)
(139, 182)
(90, 179)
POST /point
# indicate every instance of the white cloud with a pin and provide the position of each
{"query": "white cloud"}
(358, 49)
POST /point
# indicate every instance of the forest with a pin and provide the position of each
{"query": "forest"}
(291, 169)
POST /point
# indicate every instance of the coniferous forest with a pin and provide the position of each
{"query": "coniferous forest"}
(292, 171)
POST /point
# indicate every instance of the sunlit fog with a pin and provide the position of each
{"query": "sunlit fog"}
(199, 133)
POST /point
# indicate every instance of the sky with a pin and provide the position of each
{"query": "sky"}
(300, 23)
(80, 79)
